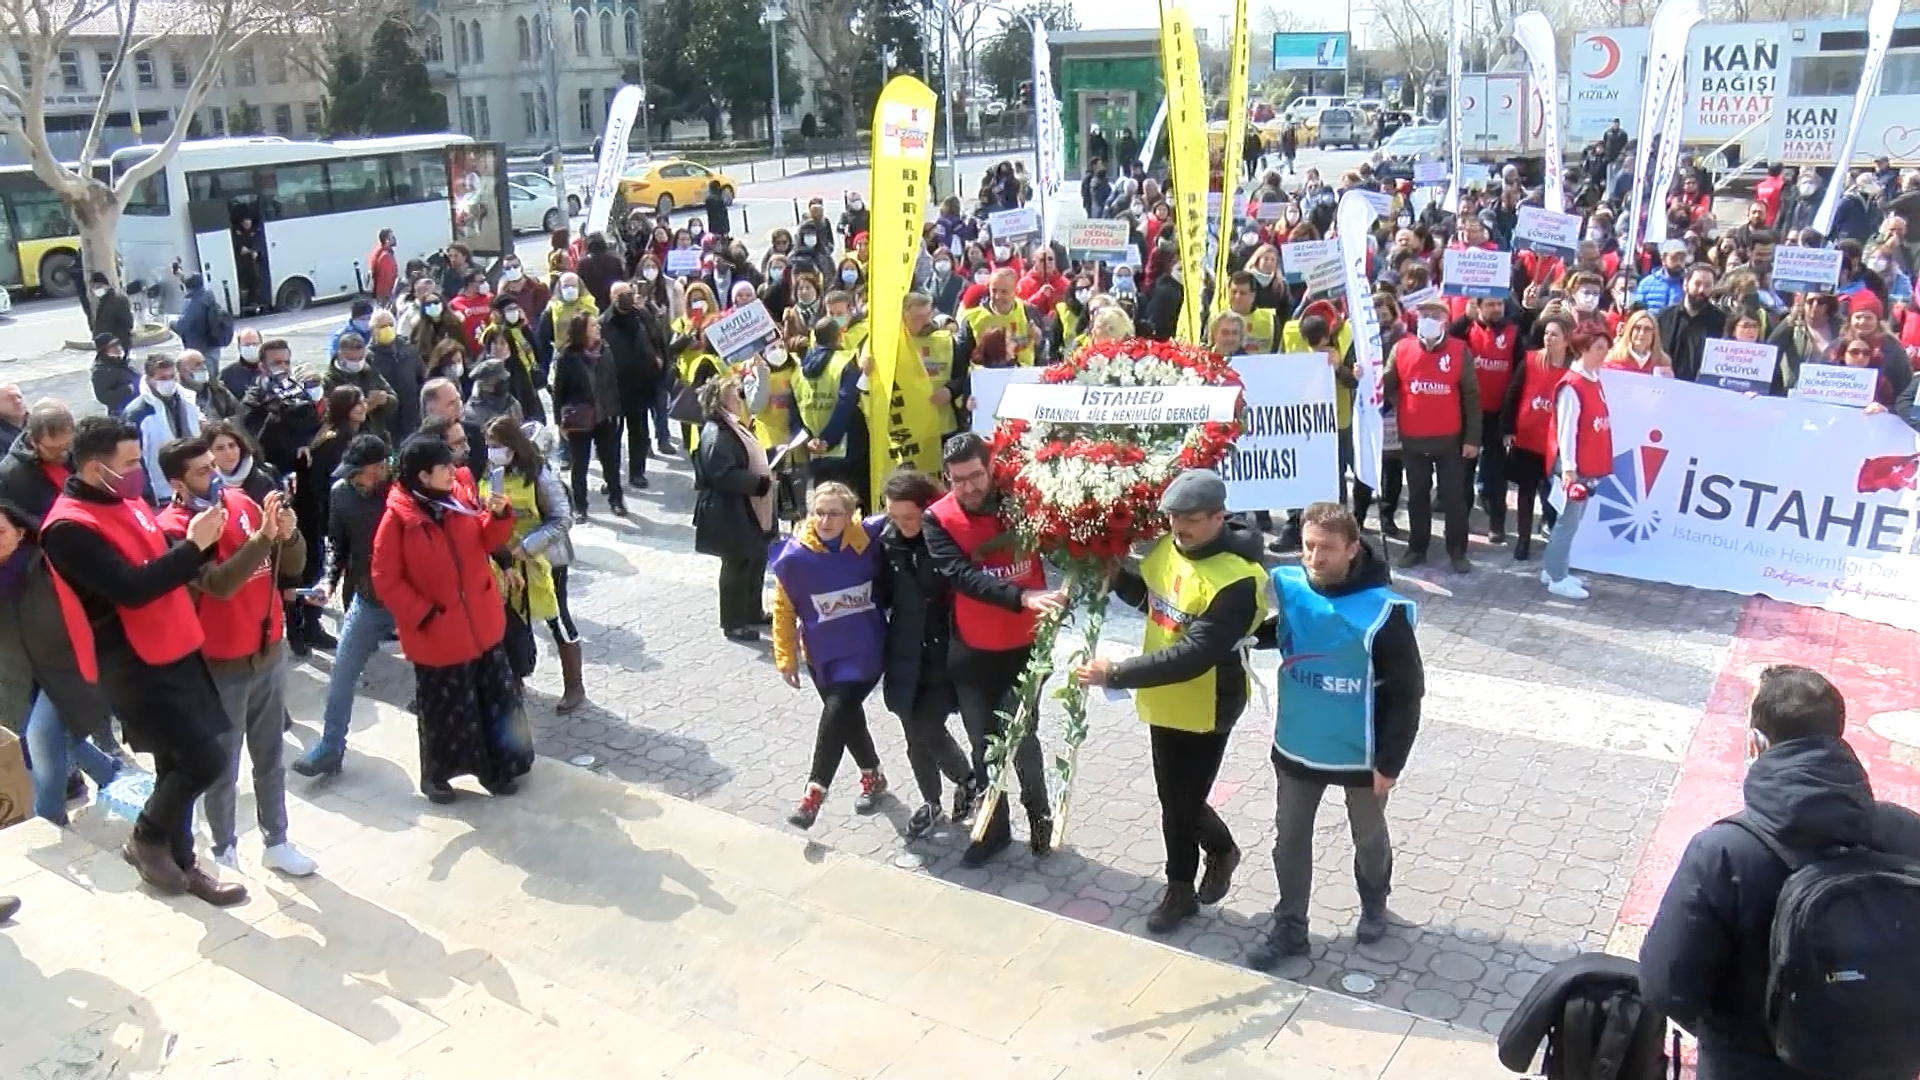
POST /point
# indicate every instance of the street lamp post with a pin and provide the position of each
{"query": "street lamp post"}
(772, 14)
(946, 87)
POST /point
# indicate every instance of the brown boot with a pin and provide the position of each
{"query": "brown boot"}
(574, 693)
(156, 866)
(1176, 905)
(217, 893)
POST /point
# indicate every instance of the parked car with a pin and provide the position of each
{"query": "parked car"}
(1396, 157)
(533, 211)
(542, 185)
(1343, 127)
(670, 183)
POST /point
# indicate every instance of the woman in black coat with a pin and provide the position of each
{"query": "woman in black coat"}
(919, 625)
(732, 506)
(586, 401)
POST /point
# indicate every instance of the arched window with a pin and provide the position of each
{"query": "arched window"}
(606, 33)
(633, 33)
(546, 120)
(460, 53)
(539, 38)
(479, 50)
(580, 34)
(525, 37)
(430, 47)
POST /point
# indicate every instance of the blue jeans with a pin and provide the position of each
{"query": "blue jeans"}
(52, 746)
(365, 626)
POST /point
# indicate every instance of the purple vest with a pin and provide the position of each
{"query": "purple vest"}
(832, 592)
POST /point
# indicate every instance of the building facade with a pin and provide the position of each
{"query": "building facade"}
(530, 73)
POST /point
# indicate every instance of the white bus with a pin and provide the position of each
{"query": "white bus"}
(275, 224)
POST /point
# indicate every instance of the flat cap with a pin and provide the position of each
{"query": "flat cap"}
(1195, 491)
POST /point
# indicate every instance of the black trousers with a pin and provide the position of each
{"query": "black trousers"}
(741, 583)
(1490, 469)
(1185, 764)
(1453, 499)
(1393, 472)
(634, 418)
(1528, 470)
(979, 708)
(603, 440)
(562, 628)
(843, 730)
(931, 749)
(181, 774)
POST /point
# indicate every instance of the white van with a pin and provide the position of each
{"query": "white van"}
(1301, 108)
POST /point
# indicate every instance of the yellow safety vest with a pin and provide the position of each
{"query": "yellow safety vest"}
(1292, 341)
(1178, 591)
(815, 398)
(537, 601)
(1259, 330)
(1019, 332)
(1069, 327)
(935, 352)
(854, 334)
(773, 425)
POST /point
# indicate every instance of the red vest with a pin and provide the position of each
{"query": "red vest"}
(1533, 423)
(1493, 349)
(1429, 404)
(1593, 443)
(160, 632)
(982, 625)
(249, 621)
(1910, 337)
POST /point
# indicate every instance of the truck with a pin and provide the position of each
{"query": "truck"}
(1499, 117)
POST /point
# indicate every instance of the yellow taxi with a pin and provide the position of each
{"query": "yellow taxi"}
(671, 182)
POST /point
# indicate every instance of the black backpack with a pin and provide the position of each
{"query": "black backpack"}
(1596, 1026)
(219, 324)
(1843, 962)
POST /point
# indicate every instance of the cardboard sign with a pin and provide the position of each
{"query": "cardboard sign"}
(1381, 202)
(1011, 225)
(1098, 239)
(1269, 210)
(1302, 258)
(1805, 269)
(742, 331)
(1746, 366)
(683, 262)
(1289, 453)
(1419, 296)
(1547, 232)
(1429, 173)
(1832, 384)
(989, 385)
(1476, 272)
(1078, 404)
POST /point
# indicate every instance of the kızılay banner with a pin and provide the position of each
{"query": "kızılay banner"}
(1706, 492)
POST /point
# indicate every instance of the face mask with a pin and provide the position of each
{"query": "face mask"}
(352, 366)
(249, 353)
(981, 277)
(316, 392)
(1000, 252)
(698, 307)
(943, 267)
(1596, 234)
(512, 315)
(1429, 329)
(775, 273)
(511, 273)
(568, 294)
(195, 379)
(1123, 284)
(499, 455)
(99, 292)
(776, 355)
(115, 359)
(1586, 301)
(129, 485)
(196, 503)
(1808, 189)
(431, 311)
(808, 305)
(454, 371)
(1082, 294)
(1249, 238)
(384, 335)
(806, 240)
(164, 387)
(649, 273)
(1264, 277)
(848, 277)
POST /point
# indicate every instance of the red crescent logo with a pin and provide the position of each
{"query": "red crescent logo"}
(1467, 104)
(1506, 101)
(1610, 54)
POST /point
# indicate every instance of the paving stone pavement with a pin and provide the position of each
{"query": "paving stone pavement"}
(1552, 735)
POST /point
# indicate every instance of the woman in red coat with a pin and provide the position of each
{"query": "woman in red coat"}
(432, 570)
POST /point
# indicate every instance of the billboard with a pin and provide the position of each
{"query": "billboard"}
(1733, 70)
(1312, 51)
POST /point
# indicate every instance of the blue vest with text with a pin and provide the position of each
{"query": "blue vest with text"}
(1325, 716)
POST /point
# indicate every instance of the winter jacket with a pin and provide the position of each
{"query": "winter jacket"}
(400, 365)
(114, 385)
(161, 420)
(353, 517)
(1658, 290)
(113, 314)
(1684, 335)
(239, 377)
(1705, 958)
(282, 414)
(432, 571)
(628, 340)
(1212, 638)
(581, 379)
(195, 322)
(1160, 316)
(24, 481)
(380, 418)
(724, 524)
(919, 627)
(30, 657)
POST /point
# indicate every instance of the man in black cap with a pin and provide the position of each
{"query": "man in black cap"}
(1204, 592)
(115, 383)
(111, 313)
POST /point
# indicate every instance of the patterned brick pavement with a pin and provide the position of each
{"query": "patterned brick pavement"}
(1554, 734)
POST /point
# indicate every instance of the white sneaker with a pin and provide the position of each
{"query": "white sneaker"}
(229, 859)
(1567, 589)
(1547, 579)
(293, 862)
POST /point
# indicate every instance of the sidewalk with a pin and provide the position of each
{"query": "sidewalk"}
(587, 928)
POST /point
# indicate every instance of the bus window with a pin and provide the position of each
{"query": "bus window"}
(211, 195)
(359, 183)
(149, 199)
(40, 215)
(421, 177)
(298, 191)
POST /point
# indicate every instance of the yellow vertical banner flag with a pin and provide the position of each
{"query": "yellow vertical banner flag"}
(1237, 76)
(1187, 150)
(902, 173)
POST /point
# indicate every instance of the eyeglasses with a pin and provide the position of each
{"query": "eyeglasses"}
(1859, 351)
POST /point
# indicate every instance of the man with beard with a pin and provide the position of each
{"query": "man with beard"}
(1350, 685)
(999, 594)
(1204, 592)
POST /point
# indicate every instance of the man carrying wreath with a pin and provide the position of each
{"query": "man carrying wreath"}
(1204, 592)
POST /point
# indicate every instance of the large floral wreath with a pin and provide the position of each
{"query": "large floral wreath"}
(1081, 495)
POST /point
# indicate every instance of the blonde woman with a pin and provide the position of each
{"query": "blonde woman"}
(1638, 347)
(826, 607)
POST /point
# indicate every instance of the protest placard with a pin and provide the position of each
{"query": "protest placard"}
(1746, 366)
(1098, 239)
(1073, 403)
(1381, 202)
(1547, 232)
(1269, 210)
(1832, 384)
(683, 262)
(742, 331)
(1805, 269)
(1288, 453)
(1011, 225)
(988, 384)
(1429, 173)
(1476, 272)
(1301, 258)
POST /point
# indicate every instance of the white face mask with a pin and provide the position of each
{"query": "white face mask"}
(431, 311)
(454, 371)
(943, 267)
(512, 315)
(1429, 329)
(649, 273)
(1264, 277)
(1586, 301)
(249, 353)
(511, 273)
(1808, 189)
(499, 455)
(568, 294)
(352, 366)
(1082, 295)
(164, 387)
(1000, 252)
(1249, 238)
(848, 277)
(981, 277)
(100, 291)
(195, 379)
(776, 355)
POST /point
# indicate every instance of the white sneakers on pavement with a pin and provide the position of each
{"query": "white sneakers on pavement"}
(1547, 579)
(293, 862)
(228, 859)
(1567, 588)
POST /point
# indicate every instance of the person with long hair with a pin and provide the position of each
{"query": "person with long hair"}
(1638, 347)
(1582, 434)
(432, 570)
(586, 399)
(1527, 418)
(1806, 337)
(541, 549)
(733, 506)
(238, 458)
(344, 417)
(826, 609)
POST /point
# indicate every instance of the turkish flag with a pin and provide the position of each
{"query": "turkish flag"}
(1895, 473)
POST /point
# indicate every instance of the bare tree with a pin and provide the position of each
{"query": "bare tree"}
(1274, 20)
(1414, 33)
(40, 29)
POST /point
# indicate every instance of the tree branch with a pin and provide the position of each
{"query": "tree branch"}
(112, 83)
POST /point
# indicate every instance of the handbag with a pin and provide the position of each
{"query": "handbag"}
(577, 419)
(685, 408)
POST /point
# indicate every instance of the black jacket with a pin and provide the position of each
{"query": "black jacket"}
(1684, 334)
(1400, 682)
(114, 385)
(919, 627)
(628, 341)
(724, 524)
(965, 578)
(113, 314)
(31, 658)
(400, 365)
(25, 484)
(352, 519)
(1213, 637)
(1160, 316)
(579, 379)
(1704, 961)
